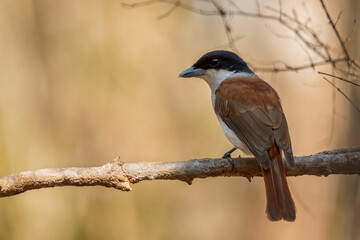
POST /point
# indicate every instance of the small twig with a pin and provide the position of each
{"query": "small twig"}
(340, 78)
(340, 91)
(280, 10)
(298, 68)
(338, 18)
(180, 4)
(351, 32)
(139, 4)
(171, 10)
(258, 6)
(335, 30)
(227, 26)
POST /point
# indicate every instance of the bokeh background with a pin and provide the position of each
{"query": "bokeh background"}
(82, 82)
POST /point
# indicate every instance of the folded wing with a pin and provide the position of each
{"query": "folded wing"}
(252, 110)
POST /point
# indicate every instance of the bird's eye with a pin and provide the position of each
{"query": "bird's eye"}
(214, 62)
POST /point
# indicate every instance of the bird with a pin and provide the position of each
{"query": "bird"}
(251, 116)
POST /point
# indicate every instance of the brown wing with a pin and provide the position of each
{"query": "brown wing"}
(251, 108)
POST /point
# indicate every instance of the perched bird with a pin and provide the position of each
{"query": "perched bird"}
(251, 116)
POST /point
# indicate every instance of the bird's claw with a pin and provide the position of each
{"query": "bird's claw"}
(229, 158)
(227, 155)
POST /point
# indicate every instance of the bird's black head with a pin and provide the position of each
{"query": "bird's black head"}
(220, 60)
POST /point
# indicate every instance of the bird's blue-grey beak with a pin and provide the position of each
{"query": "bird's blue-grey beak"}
(192, 72)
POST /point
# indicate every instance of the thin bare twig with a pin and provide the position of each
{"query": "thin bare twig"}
(335, 30)
(287, 68)
(338, 18)
(171, 10)
(351, 32)
(180, 3)
(340, 91)
(227, 27)
(340, 78)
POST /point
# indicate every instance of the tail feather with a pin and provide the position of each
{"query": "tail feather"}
(280, 204)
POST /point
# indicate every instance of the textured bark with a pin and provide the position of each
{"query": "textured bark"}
(119, 175)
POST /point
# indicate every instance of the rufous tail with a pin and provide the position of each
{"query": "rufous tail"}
(280, 204)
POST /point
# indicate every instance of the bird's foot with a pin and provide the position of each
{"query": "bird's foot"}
(227, 155)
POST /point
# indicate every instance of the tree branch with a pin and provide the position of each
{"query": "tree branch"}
(308, 36)
(119, 175)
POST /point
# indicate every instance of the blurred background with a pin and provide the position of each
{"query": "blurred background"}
(82, 82)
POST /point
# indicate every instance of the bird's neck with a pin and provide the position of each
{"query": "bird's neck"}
(214, 77)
